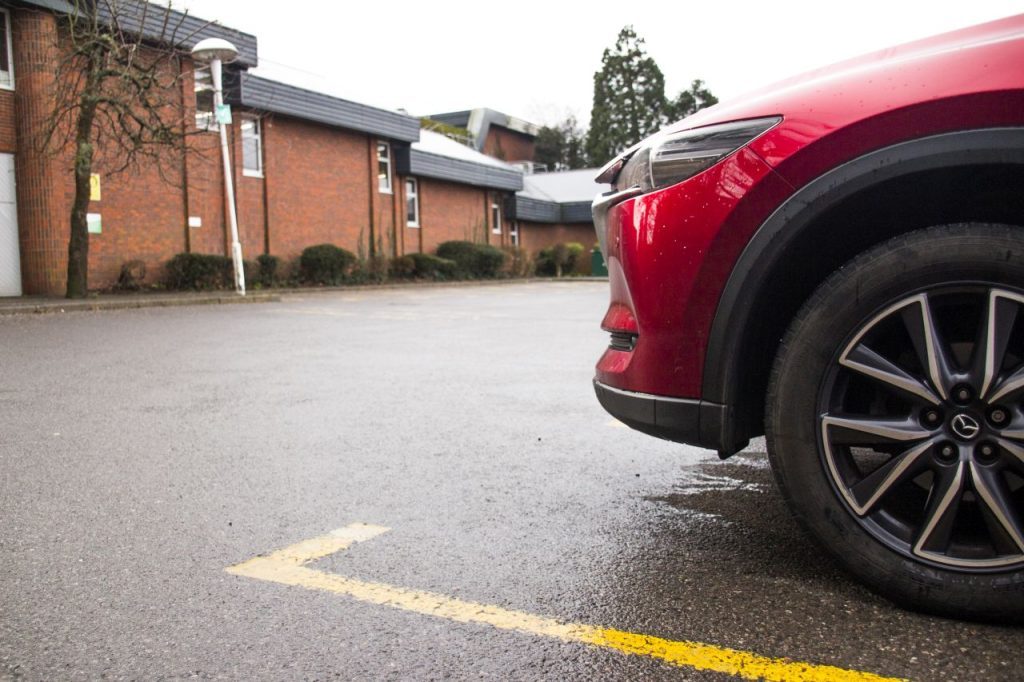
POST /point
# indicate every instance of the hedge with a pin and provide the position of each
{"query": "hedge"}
(199, 271)
(473, 260)
(426, 266)
(326, 264)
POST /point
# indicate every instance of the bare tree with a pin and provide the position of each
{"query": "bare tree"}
(118, 101)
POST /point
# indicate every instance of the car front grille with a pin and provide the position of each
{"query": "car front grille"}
(624, 341)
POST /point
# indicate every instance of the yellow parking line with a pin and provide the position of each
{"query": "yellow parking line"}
(287, 566)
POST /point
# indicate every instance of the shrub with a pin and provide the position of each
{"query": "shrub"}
(490, 260)
(403, 267)
(575, 260)
(269, 270)
(132, 274)
(518, 262)
(325, 264)
(463, 254)
(473, 260)
(432, 267)
(199, 271)
(373, 269)
(560, 259)
(251, 272)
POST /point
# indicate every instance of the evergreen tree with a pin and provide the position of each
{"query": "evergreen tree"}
(549, 146)
(689, 102)
(629, 98)
(561, 146)
(575, 145)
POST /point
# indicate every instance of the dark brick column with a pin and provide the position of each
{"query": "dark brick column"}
(43, 234)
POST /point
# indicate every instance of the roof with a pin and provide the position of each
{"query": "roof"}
(183, 30)
(247, 90)
(560, 197)
(564, 186)
(436, 156)
(436, 143)
(479, 121)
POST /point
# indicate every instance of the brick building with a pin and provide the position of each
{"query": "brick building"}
(495, 134)
(308, 168)
(555, 207)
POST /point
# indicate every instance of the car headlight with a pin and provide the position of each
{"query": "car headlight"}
(664, 160)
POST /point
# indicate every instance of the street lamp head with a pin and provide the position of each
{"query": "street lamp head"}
(208, 49)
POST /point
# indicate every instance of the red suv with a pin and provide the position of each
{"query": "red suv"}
(837, 262)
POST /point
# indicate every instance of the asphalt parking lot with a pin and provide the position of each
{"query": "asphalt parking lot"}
(452, 500)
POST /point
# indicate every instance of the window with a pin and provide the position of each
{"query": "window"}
(205, 120)
(495, 218)
(384, 167)
(513, 233)
(6, 61)
(412, 203)
(252, 147)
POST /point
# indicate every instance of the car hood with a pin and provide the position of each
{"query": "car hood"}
(874, 81)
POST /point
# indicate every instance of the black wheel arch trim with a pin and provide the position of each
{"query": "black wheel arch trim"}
(695, 422)
(788, 223)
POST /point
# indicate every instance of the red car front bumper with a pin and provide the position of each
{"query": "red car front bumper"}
(669, 255)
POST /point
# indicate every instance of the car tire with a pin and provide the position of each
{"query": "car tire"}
(895, 423)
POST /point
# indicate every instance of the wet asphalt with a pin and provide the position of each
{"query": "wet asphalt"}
(144, 451)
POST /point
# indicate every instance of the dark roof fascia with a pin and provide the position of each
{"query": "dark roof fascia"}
(247, 90)
(577, 212)
(536, 210)
(491, 117)
(452, 118)
(544, 211)
(414, 162)
(62, 6)
(182, 30)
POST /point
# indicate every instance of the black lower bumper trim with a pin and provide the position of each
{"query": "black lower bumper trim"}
(695, 422)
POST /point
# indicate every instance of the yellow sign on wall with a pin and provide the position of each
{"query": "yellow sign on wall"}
(94, 187)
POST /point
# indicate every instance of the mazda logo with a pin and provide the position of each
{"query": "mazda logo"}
(965, 426)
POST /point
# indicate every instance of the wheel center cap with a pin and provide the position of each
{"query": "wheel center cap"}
(965, 426)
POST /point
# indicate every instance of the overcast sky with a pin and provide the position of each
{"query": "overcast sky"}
(536, 60)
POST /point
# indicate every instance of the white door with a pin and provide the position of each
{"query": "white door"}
(10, 256)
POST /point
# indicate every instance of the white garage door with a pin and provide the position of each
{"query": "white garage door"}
(10, 258)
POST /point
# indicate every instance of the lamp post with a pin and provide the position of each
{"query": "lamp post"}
(215, 52)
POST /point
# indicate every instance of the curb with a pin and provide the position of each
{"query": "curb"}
(68, 306)
(127, 301)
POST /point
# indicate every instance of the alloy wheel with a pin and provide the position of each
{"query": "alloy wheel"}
(922, 430)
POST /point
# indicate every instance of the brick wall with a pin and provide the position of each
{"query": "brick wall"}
(249, 191)
(382, 216)
(205, 193)
(536, 236)
(142, 208)
(508, 145)
(143, 219)
(42, 228)
(448, 211)
(8, 136)
(318, 186)
(504, 239)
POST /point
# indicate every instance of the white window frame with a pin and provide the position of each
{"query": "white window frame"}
(258, 136)
(384, 185)
(205, 120)
(495, 218)
(513, 233)
(7, 81)
(413, 185)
